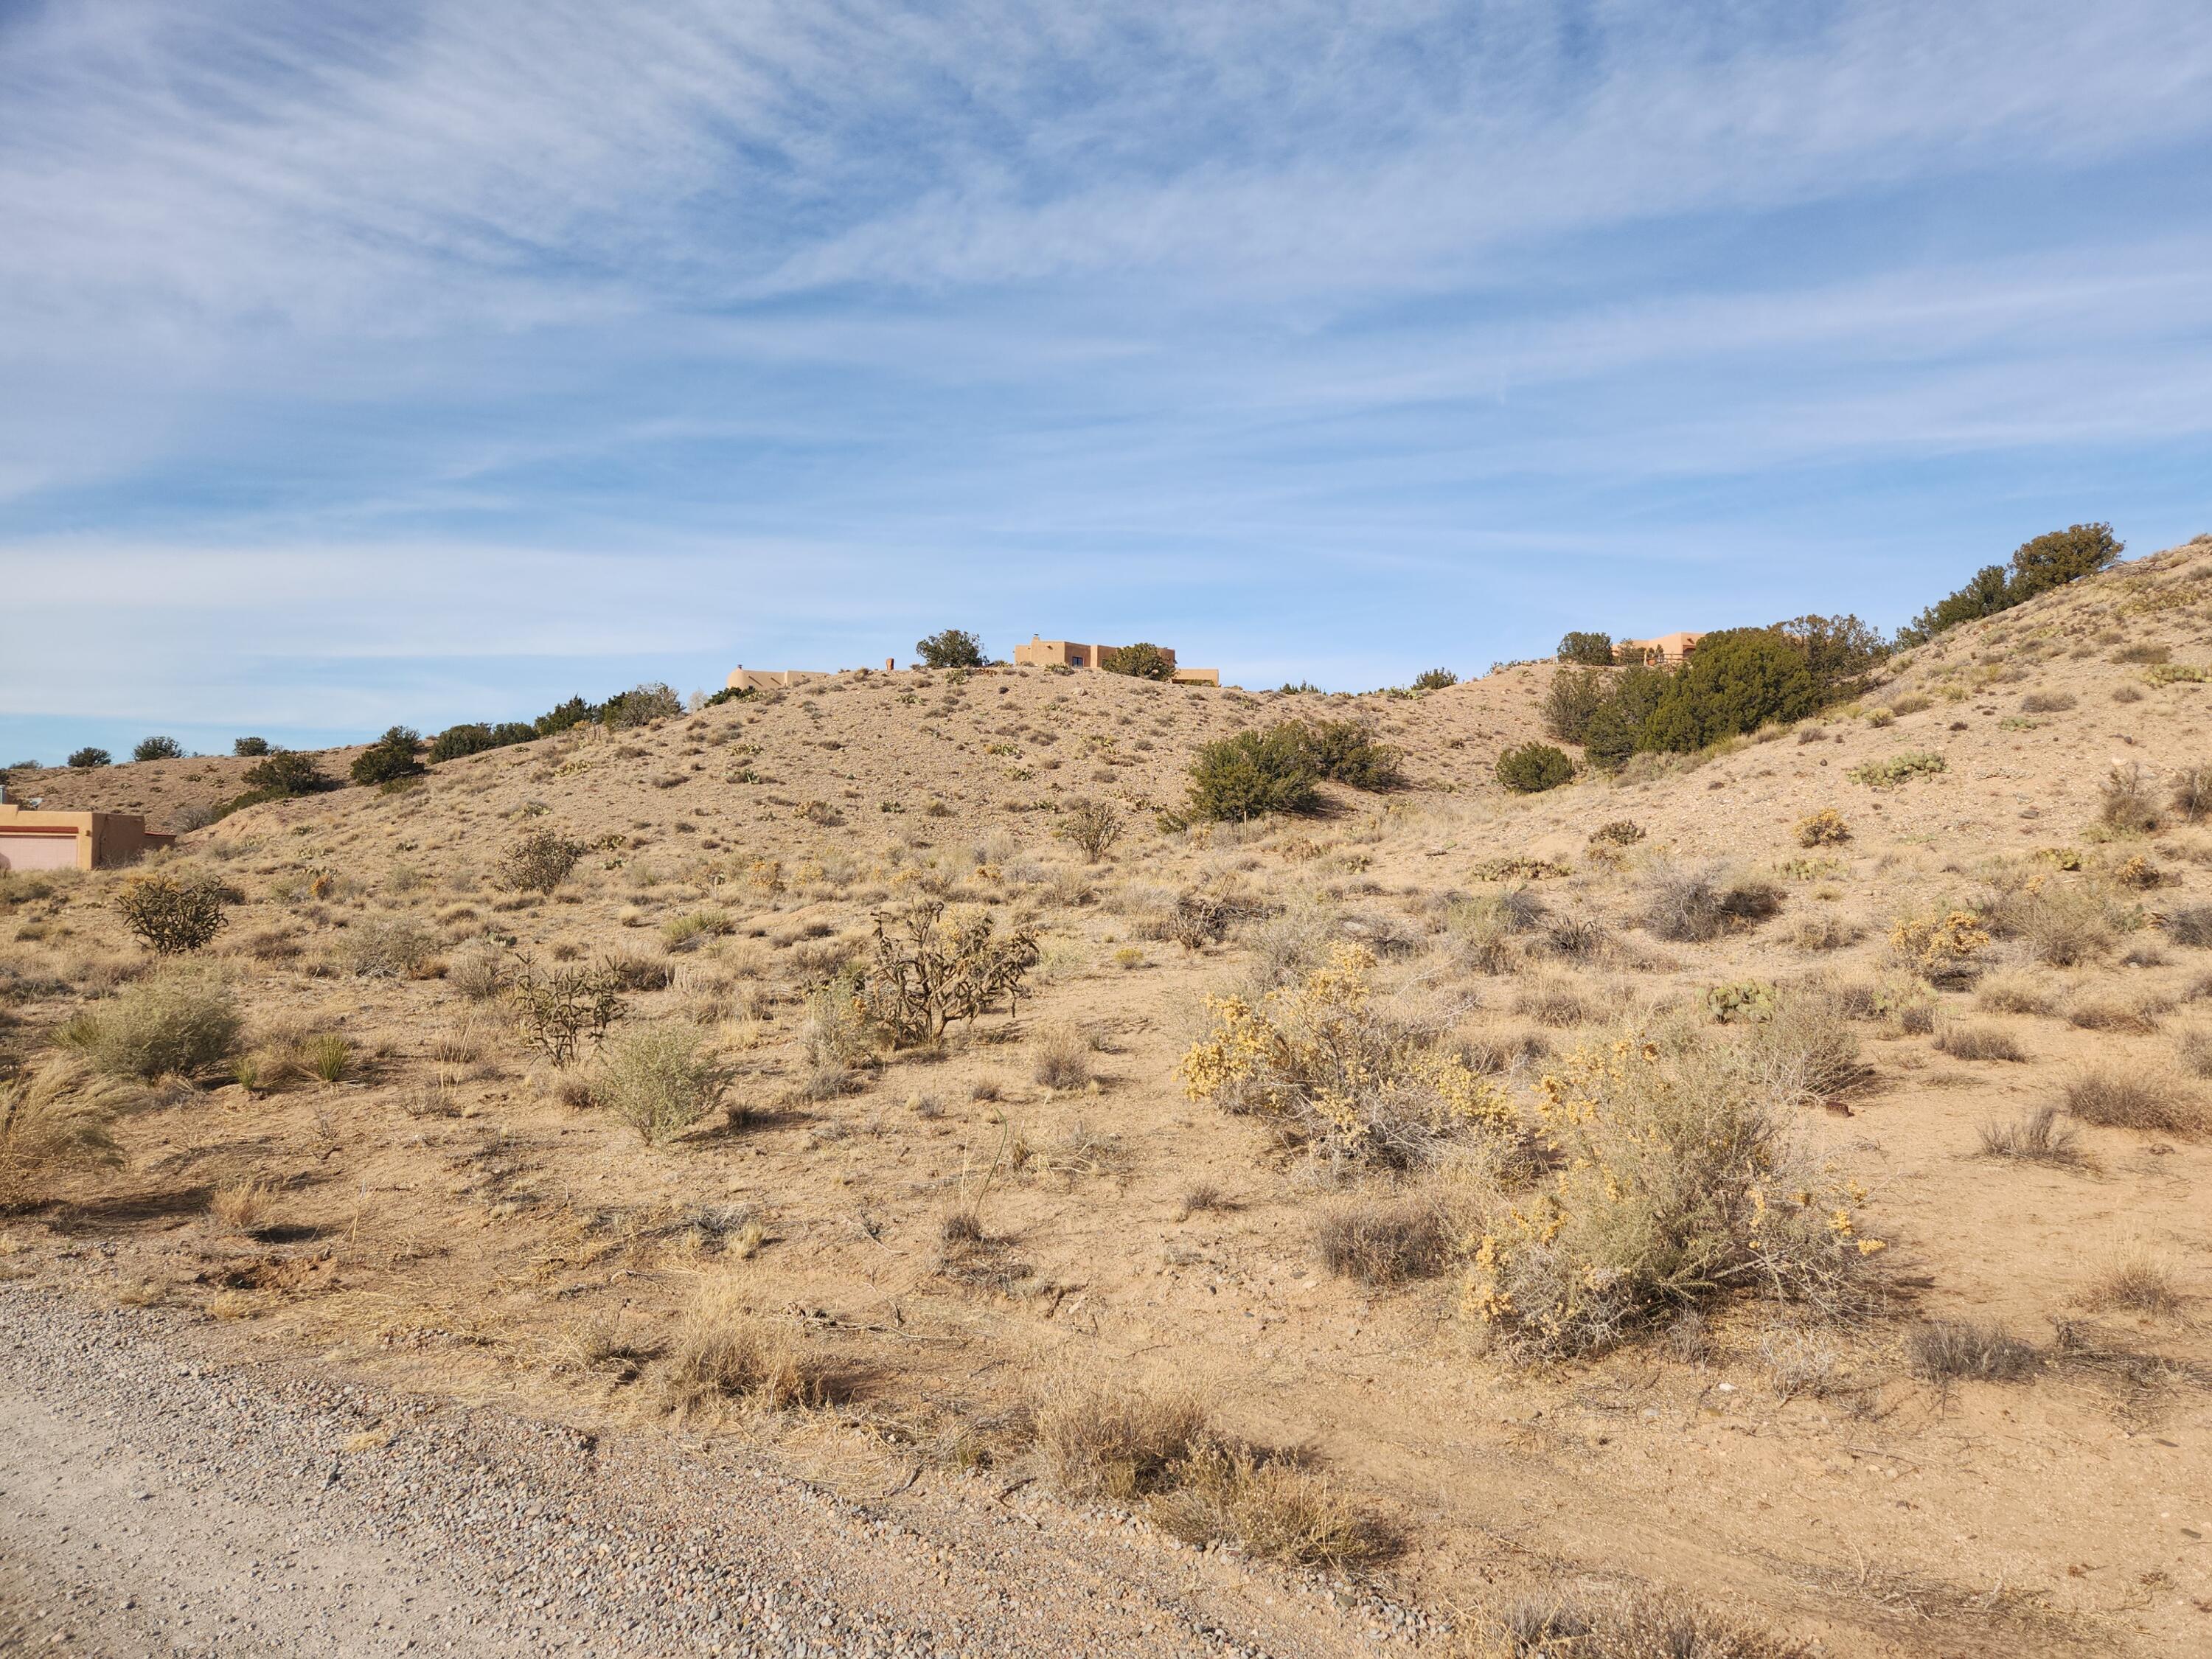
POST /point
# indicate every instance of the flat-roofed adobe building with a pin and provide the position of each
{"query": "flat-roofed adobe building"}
(73, 840)
(1675, 647)
(1071, 653)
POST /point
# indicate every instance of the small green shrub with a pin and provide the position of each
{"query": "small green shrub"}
(1143, 661)
(1254, 774)
(1533, 767)
(1620, 832)
(1347, 752)
(1741, 1002)
(90, 758)
(391, 757)
(952, 647)
(247, 748)
(640, 705)
(1434, 679)
(172, 914)
(1591, 650)
(284, 773)
(153, 749)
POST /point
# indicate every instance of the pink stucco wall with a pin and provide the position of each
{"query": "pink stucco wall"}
(19, 851)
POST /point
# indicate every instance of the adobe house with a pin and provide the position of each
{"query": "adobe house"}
(1674, 648)
(1068, 653)
(73, 840)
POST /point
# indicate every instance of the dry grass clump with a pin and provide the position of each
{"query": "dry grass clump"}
(1949, 1350)
(1624, 1625)
(178, 1022)
(1964, 1042)
(2194, 1050)
(2123, 1097)
(1062, 1059)
(2037, 1138)
(2014, 993)
(1161, 1451)
(2190, 925)
(475, 974)
(1334, 1074)
(1805, 1052)
(723, 1352)
(1825, 930)
(2136, 1016)
(660, 1079)
(1675, 1180)
(1382, 1242)
(243, 1205)
(55, 1122)
(2192, 793)
(2135, 1278)
(1553, 1000)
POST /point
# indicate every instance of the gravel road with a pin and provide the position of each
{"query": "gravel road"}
(155, 1500)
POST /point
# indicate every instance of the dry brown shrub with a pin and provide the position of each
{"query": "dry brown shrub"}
(1382, 1242)
(1120, 1444)
(2138, 1017)
(2117, 1097)
(724, 1352)
(2014, 993)
(1963, 1042)
(1554, 1000)
(1947, 1351)
(177, 1022)
(1635, 1623)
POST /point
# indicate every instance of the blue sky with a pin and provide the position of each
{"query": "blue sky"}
(427, 360)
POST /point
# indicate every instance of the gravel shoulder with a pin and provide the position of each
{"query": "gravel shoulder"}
(156, 1499)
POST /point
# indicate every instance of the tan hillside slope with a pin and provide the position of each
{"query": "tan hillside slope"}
(1812, 1234)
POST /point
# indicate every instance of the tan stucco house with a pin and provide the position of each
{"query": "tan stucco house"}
(1071, 653)
(73, 840)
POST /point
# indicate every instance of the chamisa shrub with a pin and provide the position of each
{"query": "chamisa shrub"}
(1825, 828)
(1143, 661)
(1253, 773)
(1337, 1075)
(178, 1020)
(1533, 767)
(172, 914)
(1675, 1182)
(390, 756)
(1591, 650)
(660, 1079)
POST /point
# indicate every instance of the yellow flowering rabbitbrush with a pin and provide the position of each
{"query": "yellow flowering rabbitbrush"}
(1337, 1075)
(1675, 1181)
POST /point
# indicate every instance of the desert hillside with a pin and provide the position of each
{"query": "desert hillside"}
(1948, 941)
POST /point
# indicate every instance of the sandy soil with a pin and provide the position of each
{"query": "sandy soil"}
(445, 1223)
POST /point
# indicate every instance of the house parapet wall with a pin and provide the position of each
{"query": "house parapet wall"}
(73, 840)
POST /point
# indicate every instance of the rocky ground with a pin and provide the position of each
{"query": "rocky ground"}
(155, 1499)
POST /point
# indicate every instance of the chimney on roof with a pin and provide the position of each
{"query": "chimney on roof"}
(890, 664)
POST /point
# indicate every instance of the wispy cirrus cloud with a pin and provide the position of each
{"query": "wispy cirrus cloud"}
(654, 331)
